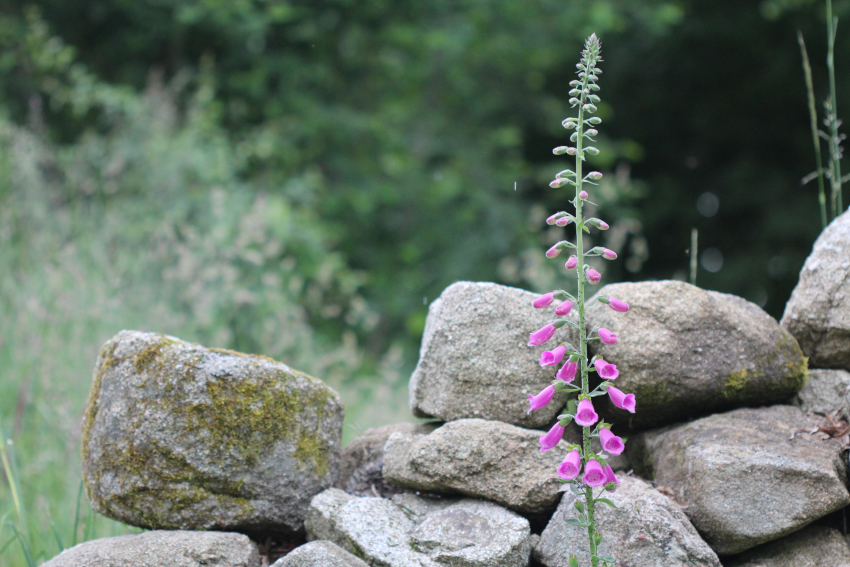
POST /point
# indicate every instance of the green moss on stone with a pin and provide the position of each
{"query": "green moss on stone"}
(108, 360)
(149, 354)
(735, 383)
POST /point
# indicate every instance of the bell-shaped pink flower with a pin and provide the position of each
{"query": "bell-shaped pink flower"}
(593, 276)
(550, 439)
(605, 370)
(572, 262)
(541, 399)
(554, 251)
(607, 336)
(621, 400)
(610, 477)
(541, 335)
(567, 373)
(618, 305)
(564, 308)
(585, 414)
(582, 195)
(544, 300)
(610, 442)
(593, 473)
(609, 254)
(553, 357)
(571, 466)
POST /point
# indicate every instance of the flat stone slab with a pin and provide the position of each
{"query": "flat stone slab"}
(162, 549)
(813, 546)
(685, 352)
(748, 476)
(826, 392)
(479, 458)
(474, 361)
(818, 313)
(412, 531)
(319, 554)
(177, 436)
(647, 529)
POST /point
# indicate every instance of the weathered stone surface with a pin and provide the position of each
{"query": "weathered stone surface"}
(748, 476)
(474, 361)
(686, 352)
(162, 549)
(825, 392)
(647, 529)
(479, 458)
(813, 546)
(818, 313)
(319, 554)
(180, 436)
(412, 531)
(361, 460)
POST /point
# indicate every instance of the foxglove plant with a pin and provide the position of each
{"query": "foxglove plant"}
(597, 472)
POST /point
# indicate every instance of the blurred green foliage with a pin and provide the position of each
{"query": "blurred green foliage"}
(300, 179)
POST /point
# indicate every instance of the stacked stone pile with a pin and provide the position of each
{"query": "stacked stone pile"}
(731, 459)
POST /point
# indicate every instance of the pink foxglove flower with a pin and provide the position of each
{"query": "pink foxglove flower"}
(550, 439)
(593, 276)
(585, 414)
(607, 336)
(541, 335)
(554, 251)
(609, 254)
(572, 262)
(544, 300)
(621, 400)
(582, 195)
(610, 442)
(564, 308)
(610, 477)
(593, 473)
(541, 399)
(553, 357)
(571, 466)
(618, 305)
(605, 370)
(567, 373)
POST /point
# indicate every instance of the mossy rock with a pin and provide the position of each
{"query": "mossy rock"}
(178, 436)
(685, 352)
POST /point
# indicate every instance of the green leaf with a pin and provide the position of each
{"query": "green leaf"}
(565, 421)
(578, 523)
(606, 501)
(606, 558)
(579, 506)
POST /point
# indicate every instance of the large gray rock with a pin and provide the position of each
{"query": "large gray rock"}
(818, 313)
(686, 352)
(479, 458)
(361, 460)
(177, 436)
(411, 531)
(647, 529)
(813, 546)
(162, 549)
(319, 554)
(825, 392)
(474, 360)
(748, 476)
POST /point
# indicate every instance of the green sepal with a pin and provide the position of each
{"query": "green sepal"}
(573, 561)
(578, 523)
(595, 393)
(597, 538)
(601, 461)
(579, 506)
(605, 500)
(565, 421)
(584, 228)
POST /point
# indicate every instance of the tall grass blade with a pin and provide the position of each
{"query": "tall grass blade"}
(834, 123)
(694, 236)
(813, 119)
(56, 535)
(10, 470)
(24, 547)
(77, 515)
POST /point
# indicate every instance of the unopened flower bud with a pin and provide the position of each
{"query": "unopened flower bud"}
(607, 336)
(560, 150)
(556, 249)
(591, 150)
(574, 101)
(558, 183)
(569, 125)
(593, 276)
(609, 254)
(574, 92)
(595, 175)
(618, 305)
(572, 262)
(568, 371)
(591, 132)
(582, 195)
(575, 83)
(571, 151)
(563, 221)
(541, 335)
(589, 108)
(555, 217)
(595, 119)
(565, 173)
(544, 300)
(598, 223)
(564, 309)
